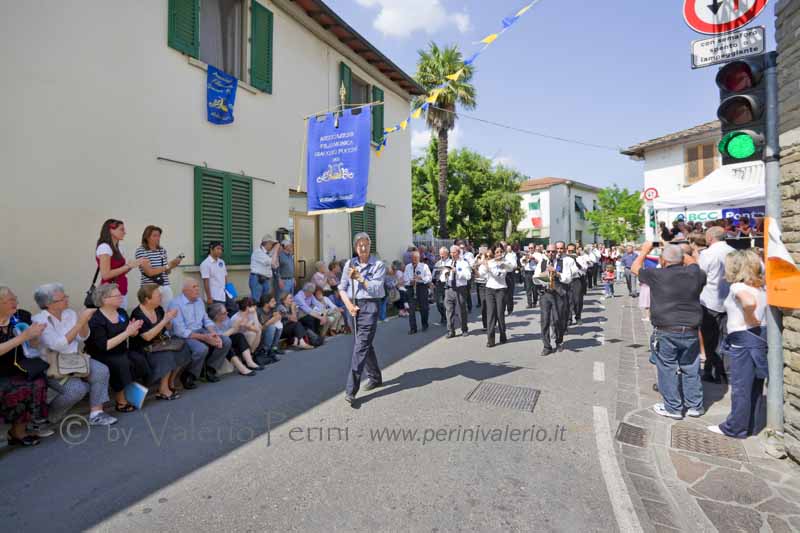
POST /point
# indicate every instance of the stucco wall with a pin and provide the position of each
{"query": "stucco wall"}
(94, 95)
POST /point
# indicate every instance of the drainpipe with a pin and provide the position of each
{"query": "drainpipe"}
(570, 209)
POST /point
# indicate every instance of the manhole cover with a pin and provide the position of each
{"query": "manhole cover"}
(522, 398)
(633, 435)
(693, 439)
(613, 341)
(635, 346)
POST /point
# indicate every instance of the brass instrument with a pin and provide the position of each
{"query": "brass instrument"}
(552, 280)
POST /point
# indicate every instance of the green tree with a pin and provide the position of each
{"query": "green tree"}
(619, 216)
(482, 199)
(433, 67)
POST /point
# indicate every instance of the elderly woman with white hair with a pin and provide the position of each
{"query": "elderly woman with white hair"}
(64, 329)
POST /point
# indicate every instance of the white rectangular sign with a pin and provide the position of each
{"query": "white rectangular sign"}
(742, 43)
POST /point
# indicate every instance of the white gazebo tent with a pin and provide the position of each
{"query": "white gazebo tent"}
(730, 186)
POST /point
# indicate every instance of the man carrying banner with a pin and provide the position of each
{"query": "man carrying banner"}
(361, 290)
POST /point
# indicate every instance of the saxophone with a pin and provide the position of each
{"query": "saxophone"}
(552, 280)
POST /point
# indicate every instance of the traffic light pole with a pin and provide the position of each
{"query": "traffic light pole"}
(774, 317)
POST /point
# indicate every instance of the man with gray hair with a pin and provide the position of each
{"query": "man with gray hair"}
(457, 273)
(712, 262)
(676, 315)
(362, 290)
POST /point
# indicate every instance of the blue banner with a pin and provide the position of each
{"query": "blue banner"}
(338, 161)
(221, 95)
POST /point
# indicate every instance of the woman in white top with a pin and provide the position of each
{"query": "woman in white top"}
(495, 271)
(111, 264)
(746, 343)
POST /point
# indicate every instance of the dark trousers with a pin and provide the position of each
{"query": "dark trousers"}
(712, 330)
(531, 292)
(418, 300)
(748, 368)
(495, 313)
(469, 296)
(511, 279)
(552, 311)
(630, 281)
(481, 290)
(576, 297)
(598, 273)
(125, 368)
(439, 295)
(590, 276)
(455, 302)
(311, 323)
(364, 357)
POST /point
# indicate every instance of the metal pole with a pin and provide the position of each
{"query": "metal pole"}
(774, 318)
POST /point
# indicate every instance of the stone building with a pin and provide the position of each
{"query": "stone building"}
(788, 40)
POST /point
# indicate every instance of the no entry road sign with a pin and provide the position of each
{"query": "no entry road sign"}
(720, 16)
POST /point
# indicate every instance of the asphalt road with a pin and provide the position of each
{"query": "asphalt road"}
(284, 452)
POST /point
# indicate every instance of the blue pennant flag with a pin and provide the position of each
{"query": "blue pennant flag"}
(338, 161)
(508, 21)
(221, 95)
(472, 58)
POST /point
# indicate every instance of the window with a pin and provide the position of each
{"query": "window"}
(358, 92)
(223, 211)
(215, 32)
(579, 236)
(364, 221)
(580, 207)
(700, 162)
(594, 205)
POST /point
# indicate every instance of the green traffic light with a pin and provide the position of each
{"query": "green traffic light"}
(738, 145)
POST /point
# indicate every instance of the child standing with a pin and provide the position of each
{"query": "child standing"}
(608, 280)
(620, 269)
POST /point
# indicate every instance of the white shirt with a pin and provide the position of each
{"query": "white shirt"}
(530, 266)
(54, 336)
(584, 262)
(261, 262)
(441, 275)
(511, 258)
(597, 254)
(569, 270)
(421, 270)
(734, 309)
(712, 262)
(496, 272)
(215, 272)
(469, 257)
(463, 272)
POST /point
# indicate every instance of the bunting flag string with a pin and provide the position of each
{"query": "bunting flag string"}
(433, 94)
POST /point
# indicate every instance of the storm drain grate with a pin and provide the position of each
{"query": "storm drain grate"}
(522, 398)
(633, 435)
(613, 341)
(635, 346)
(693, 439)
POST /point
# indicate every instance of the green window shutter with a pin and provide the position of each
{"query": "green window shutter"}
(346, 78)
(183, 33)
(371, 227)
(377, 115)
(356, 226)
(209, 211)
(238, 244)
(261, 48)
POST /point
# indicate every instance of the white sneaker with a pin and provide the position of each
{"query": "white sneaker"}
(694, 413)
(100, 418)
(715, 429)
(660, 409)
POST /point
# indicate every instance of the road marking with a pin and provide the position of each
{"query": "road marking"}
(599, 371)
(621, 503)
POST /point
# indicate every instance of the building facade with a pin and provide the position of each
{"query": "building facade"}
(110, 121)
(555, 210)
(787, 27)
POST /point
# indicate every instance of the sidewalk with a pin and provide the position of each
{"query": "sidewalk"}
(681, 476)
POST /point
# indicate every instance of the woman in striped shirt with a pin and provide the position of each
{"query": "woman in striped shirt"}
(156, 270)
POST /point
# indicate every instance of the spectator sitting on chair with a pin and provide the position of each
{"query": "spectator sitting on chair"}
(208, 347)
(239, 355)
(334, 315)
(310, 315)
(270, 320)
(63, 330)
(293, 330)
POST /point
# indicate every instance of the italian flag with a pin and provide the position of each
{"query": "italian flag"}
(534, 211)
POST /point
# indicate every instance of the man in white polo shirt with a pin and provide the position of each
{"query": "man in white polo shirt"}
(214, 274)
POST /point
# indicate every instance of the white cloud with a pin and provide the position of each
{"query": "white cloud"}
(420, 139)
(503, 160)
(400, 19)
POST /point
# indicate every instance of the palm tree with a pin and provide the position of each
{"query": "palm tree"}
(433, 67)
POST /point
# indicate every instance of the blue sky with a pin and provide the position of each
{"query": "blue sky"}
(613, 72)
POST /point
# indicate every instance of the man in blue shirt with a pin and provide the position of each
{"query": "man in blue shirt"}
(630, 278)
(361, 290)
(193, 324)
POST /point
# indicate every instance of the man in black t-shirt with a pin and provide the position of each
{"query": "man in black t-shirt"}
(676, 314)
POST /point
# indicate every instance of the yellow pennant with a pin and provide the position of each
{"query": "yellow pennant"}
(434, 96)
(417, 113)
(523, 10)
(390, 130)
(456, 75)
(490, 38)
(404, 125)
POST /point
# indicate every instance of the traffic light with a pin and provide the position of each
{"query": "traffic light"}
(741, 110)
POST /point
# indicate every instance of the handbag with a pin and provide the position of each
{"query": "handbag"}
(394, 295)
(63, 365)
(88, 302)
(165, 344)
(34, 367)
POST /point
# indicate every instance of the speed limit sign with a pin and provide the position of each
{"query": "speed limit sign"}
(650, 194)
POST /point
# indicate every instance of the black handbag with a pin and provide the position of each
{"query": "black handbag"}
(88, 302)
(34, 367)
(165, 344)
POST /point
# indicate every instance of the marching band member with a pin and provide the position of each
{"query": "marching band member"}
(555, 273)
(440, 281)
(417, 277)
(577, 286)
(529, 262)
(511, 281)
(469, 257)
(457, 274)
(496, 272)
(480, 281)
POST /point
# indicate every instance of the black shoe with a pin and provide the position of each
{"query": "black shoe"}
(349, 398)
(412, 332)
(27, 440)
(503, 339)
(547, 351)
(655, 387)
(490, 344)
(259, 367)
(464, 332)
(560, 347)
(450, 335)
(424, 328)
(187, 380)
(369, 385)
(211, 377)
(263, 360)
(578, 322)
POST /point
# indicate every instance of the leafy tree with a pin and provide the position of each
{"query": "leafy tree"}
(482, 197)
(619, 215)
(433, 67)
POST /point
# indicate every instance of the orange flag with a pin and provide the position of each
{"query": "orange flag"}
(783, 276)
